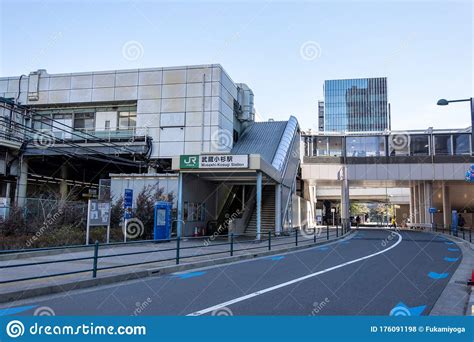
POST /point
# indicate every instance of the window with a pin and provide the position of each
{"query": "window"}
(84, 121)
(442, 145)
(320, 146)
(194, 211)
(335, 146)
(365, 146)
(107, 125)
(127, 120)
(419, 145)
(462, 144)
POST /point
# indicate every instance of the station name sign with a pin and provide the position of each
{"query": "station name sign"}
(214, 161)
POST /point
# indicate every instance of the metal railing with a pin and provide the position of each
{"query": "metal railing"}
(465, 233)
(296, 237)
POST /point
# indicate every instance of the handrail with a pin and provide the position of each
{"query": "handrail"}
(295, 237)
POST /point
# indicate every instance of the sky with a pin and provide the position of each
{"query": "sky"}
(283, 50)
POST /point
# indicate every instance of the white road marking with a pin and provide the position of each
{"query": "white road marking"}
(290, 282)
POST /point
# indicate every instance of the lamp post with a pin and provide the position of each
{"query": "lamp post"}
(444, 102)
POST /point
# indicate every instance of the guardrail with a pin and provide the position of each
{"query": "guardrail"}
(464, 233)
(296, 237)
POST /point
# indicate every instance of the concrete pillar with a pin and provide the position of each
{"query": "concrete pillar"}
(179, 227)
(345, 203)
(446, 205)
(22, 182)
(416, 215)
(258, 206)
(412, 198)
(421, 201)
(63, 190)
(277, 209)
(428, 203)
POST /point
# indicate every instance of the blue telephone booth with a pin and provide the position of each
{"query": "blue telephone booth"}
(162, 223)
(454, 222)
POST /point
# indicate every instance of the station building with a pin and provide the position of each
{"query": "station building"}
(189, 129)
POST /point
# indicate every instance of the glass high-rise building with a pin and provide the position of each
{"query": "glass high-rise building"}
(356, 105)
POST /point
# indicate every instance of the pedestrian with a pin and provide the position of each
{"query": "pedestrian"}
(394, 222)
(357, 221)
(461, 221)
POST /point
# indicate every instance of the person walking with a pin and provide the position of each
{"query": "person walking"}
(394, 222)
(357, 221)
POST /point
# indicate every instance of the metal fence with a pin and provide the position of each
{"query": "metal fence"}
(465, 233)
(296, 237)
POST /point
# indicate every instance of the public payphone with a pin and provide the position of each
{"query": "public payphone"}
(162, 222)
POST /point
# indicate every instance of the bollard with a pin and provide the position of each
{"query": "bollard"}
(269, 240)
(470, 230)
(96, 255)
(337, 228)
(177, 249)
(231, 244)
(314, 235)
(327, 231)
(296, 237)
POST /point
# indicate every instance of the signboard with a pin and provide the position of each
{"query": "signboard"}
(189, 162)
(470, 174)
(333, 210)
(433, 210)
(214, 161)
(98, 214)
(128, 203)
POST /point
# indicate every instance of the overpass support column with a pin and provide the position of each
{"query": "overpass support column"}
(428, 201)
(259, 204)
(412, 201)
(416, 201)
(277, 209)
(345, 212)
(20, 196)
(446, 205)
(421, 201)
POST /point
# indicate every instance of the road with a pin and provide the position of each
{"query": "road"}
(374, 272)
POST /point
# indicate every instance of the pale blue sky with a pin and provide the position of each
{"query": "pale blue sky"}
(424, 48)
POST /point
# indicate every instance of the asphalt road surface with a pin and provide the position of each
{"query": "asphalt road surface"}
(376, 272)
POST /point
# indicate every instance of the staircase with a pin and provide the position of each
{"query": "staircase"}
(267, 214)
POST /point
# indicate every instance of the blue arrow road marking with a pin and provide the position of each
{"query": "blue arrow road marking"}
(189, 275)
(435, 275)
(451, 259)
(12, 311)
(401, 309)
(449, 243)
(276, 257)
(453, 249)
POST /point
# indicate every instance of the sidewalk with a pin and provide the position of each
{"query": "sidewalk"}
(161, 260)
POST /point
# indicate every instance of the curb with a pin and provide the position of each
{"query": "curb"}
(457, 286)
(151, 272)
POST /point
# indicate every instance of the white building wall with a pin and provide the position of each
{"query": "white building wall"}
(186, 110)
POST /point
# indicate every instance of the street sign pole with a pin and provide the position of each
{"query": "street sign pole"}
(88, 221)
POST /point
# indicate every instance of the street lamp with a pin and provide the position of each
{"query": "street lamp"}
(444, 102)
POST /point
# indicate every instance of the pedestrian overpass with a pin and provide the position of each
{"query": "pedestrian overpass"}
(421, 169)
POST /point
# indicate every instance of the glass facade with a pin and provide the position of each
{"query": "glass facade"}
(356, 105)
(442, 144)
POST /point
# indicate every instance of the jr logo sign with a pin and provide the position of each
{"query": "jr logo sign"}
(189, 162)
